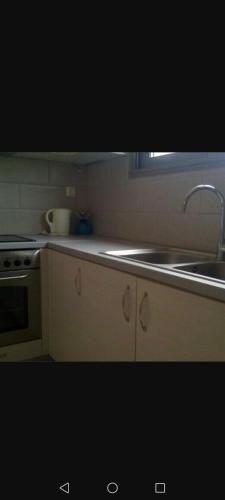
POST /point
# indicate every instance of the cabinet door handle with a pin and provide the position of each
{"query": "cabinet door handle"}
(77, 281)
(125, 298)
(143, 326)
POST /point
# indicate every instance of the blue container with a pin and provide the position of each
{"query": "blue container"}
(83, 227)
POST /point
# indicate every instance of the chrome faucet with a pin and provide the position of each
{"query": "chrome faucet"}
(220, 196)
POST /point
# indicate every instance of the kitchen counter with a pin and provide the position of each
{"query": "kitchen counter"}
(88, 248)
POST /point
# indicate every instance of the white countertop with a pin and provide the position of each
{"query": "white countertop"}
(89, 248)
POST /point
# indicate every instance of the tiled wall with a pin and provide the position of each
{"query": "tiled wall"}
(149, 209)
(30, 187)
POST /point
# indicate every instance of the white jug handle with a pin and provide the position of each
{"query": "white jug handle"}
(50, 224)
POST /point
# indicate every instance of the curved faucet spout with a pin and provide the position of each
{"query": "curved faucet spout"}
(220, 196)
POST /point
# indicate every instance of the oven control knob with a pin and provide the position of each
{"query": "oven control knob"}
(7, 263)
(17, 262)
(27, 262)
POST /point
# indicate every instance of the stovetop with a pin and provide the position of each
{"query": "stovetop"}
(5, 238)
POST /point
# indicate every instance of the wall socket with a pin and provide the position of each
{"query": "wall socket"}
(70, 191)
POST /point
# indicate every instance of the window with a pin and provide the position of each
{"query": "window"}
(158, 163)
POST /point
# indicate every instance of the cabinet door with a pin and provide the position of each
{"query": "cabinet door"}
(174, 325)
(66, 309)
(109, 299)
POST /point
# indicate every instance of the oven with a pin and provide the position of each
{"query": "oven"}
(20, 300)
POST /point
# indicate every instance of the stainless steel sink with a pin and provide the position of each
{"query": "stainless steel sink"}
(164, 258)
(198, 263)
(159, 257)
(214, 270)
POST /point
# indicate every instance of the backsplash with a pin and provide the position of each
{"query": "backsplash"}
(30, 187)
(149, 209)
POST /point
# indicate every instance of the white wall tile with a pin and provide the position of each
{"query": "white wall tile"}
(111, 172)
(9, 195)
(61, 174)
(80, 202)
(146, 209)
(23, 171)
(21, 221)
(44, 197)
(209, 202)
(167, 193)
(150, 209)
(29, 186)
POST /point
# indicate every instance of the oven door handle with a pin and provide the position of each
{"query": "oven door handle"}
(14, 277)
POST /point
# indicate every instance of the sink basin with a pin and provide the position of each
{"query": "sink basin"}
(166, 258)
(158, 257)
(214, 270)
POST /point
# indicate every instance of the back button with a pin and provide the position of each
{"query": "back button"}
(65, 488)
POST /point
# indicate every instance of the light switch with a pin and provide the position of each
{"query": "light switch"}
(70, 191)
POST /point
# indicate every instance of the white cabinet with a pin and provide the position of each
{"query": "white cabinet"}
(66, 307)
(174, 325)
(101, 314)
(92, 311)
(110, 314)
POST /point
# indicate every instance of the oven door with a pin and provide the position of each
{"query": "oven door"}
(20, 306)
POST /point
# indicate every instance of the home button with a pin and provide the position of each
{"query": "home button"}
(112, 488)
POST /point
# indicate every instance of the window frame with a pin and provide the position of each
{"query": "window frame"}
(141, 166)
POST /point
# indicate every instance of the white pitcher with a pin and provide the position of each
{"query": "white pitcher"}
(60, 223)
